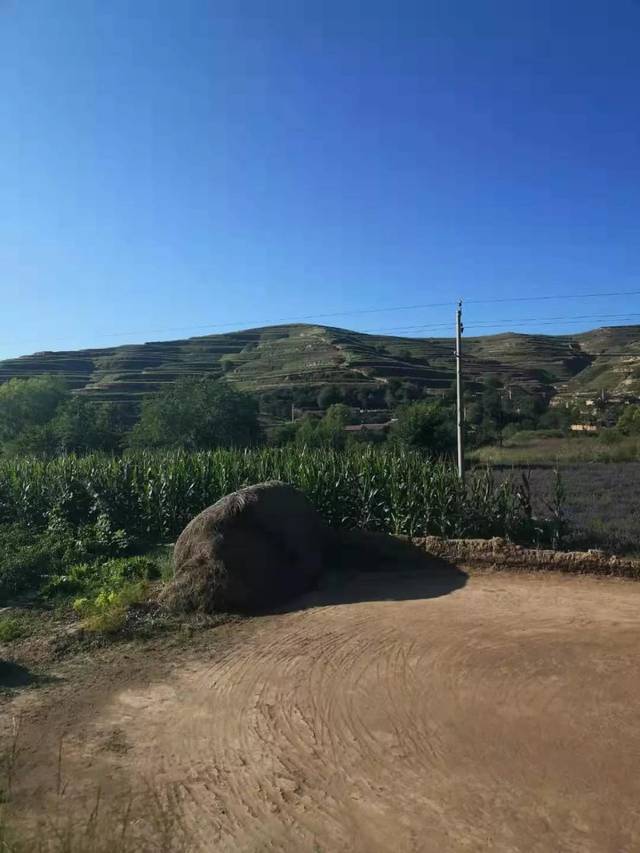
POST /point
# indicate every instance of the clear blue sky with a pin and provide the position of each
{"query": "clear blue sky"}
(168, 168)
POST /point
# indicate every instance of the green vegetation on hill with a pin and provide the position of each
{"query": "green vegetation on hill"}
(292, 363)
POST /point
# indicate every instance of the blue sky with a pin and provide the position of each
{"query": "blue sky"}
(174, 168)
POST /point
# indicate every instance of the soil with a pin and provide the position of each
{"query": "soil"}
(402, 712)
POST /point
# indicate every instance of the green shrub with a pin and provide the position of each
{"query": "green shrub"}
(14, 628)
(629, 421)
(31, 560)
(103, 577)
(107, 612)
(104, 590)
(612, 436)
(25, 560)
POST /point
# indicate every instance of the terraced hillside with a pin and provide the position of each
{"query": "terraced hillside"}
(278, 358)
(615, 365)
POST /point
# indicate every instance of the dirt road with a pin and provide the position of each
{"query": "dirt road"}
(500, 714)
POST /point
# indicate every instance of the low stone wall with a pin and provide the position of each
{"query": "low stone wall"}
(499, 554)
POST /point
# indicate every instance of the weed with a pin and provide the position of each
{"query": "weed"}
(14, 628)
(107, 612)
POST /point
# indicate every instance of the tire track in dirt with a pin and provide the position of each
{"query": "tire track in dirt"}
(501, 717)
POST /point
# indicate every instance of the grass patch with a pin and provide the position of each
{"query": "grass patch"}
(107, 612)
(15, 627)
(530, 448)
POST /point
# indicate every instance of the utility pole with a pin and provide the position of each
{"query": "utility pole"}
(459, 406)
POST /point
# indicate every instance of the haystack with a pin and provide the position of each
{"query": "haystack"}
(252, 550)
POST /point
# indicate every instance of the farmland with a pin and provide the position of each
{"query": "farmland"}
(148, 497)
(602, 503)
(405, 694)
(303, 358)
(385, 671)
(602, 500)
(153, 495)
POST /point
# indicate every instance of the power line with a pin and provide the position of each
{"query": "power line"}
(567, 318)
(74, 355)
(364, 311)
(550, 298)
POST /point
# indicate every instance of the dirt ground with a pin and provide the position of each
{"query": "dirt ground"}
(407, 712)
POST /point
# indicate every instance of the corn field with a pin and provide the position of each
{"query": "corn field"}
(153, 495)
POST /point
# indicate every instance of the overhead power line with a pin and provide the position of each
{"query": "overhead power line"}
(567, 318)
(243, 325)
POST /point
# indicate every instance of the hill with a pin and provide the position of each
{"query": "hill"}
(293, 362)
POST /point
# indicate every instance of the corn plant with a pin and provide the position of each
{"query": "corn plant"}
(152, 495)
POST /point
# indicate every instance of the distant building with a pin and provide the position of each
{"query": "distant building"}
(583, 428)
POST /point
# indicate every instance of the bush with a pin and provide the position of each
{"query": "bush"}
(14, 628)
(629, 421)
(609, 437)
(107, 612)
(103, 576)
(33, 561)
(25, 560)
(425, 426)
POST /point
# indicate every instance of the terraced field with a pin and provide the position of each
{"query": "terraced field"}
(311, 356)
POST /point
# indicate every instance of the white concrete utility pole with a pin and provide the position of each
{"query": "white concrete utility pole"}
(459, 406)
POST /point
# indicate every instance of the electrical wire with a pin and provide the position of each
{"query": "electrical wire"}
(367, 311)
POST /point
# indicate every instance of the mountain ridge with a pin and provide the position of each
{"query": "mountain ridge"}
(279, 359)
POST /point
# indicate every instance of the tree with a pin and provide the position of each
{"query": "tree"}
(426, 426)
(392, 394)
(558, 417)
(27, 407)
(283, 434)
(307, 432)
(197, 414)
(331, 429)
(81, 426)
(629, 421)
(337, 415)
(328, 395)
(410, 391)
(310, 431)
(26, 404)
(33, 440)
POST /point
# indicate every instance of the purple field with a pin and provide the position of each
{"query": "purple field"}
(602, 503)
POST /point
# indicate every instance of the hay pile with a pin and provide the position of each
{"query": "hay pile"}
(252, 550)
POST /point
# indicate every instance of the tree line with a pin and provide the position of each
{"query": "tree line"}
(41, 416)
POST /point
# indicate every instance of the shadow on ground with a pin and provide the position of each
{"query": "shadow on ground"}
(14, 675)
(375, 567)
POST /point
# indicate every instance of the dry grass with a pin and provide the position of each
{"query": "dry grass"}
(146, 821)
(531, 449)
